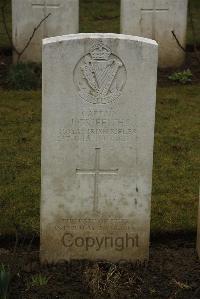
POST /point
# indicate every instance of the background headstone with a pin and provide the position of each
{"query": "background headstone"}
(157, 19)
(27, 14)
(99, 96)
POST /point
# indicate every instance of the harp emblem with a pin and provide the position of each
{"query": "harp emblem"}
(100, 76)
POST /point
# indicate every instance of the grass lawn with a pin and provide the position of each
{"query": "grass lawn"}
(176, 164)
(176, 158)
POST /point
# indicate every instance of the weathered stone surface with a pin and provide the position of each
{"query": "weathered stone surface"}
(99, 95)
(157, 19)
(27, 14)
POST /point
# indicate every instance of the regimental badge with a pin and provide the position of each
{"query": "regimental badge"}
(100, 76)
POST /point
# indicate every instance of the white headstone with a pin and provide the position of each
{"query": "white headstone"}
(157, 19)
(27, 15)
(99, 95)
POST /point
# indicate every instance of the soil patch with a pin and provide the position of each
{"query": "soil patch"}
(173, 271)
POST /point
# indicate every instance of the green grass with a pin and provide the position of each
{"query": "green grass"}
(100, 16)
(103, 16)
(176, 160)
(20, 160)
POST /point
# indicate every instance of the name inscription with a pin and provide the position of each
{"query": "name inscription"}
(98, 126)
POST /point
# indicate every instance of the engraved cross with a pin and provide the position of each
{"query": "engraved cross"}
(44, 5)
(96, 172)
(154, 12)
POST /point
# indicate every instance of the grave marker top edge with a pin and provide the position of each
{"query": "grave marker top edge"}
(81, 36)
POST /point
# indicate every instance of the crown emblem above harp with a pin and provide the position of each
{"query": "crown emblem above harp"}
(100, 76)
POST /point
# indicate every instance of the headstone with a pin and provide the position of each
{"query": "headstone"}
(99, 95)
(198, 229)
(157, 19)
(62, 17)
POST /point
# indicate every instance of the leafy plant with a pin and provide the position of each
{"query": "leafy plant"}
(38, 280)
(182, 77)
(24, 76)
(5, 278)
